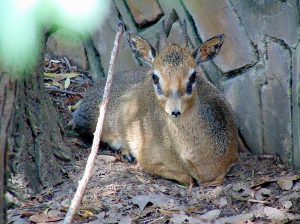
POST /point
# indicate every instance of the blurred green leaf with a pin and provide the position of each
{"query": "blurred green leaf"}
(67, 82)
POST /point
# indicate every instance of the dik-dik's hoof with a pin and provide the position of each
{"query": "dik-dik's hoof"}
(128, 157)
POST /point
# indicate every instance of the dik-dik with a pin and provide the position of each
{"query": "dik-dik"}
(168, 117)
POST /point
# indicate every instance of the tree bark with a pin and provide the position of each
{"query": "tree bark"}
(31, 133)
(7, 97)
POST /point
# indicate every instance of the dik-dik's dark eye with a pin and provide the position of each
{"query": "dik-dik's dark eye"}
(192, 78)
(191, 81)
(157, 84)
(155, 79)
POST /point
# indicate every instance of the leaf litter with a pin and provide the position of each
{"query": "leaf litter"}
(259, 189)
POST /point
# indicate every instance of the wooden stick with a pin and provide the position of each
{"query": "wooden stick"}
(96, 141)
(68, 92)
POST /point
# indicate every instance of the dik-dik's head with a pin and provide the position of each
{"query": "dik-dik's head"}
(173, 67)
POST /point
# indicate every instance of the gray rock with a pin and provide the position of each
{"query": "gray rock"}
(276, 102)
(214, 17)
(150, 34)
(125, 15)
(96, 69)
(103, 39)
(145, 11)
(69, 44)
(243, 94)
(278, 19)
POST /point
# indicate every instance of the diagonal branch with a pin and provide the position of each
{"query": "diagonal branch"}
(96, 141)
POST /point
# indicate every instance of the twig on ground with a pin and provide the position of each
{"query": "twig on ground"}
(258, 201)
(155, 220)
(96, 141)
(55, 89)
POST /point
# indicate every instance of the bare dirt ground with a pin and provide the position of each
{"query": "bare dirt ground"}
(259, 189)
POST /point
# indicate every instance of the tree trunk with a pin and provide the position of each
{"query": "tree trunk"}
(31, 133)
(7, 96)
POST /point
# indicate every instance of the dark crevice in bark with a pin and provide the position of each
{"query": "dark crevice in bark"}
(37, 151)
(7, 96)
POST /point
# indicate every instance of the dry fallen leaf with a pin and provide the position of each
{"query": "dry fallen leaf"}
(211, 215)
(63, 76)
(160, 187)
(286, 182)
(169, 212)
(71, 108)
(271, 213)
(263, 180)
(183, 218)
(85, 214)
(288, 197)
(126, 220)
(66, 202)
(296, 186)
(244, 222)
(55, 212)
(142, 179)
(161, 201)
(73, 98)
(274, 213)
(49, 74)
(56, 84)
(222, 202)
(235, 219)
(106, 158)
(262, 193)
(27, 213)
(287, 204)
(44, 218)
(243, 190)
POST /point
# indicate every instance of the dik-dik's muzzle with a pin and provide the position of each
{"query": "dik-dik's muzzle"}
(173, 104)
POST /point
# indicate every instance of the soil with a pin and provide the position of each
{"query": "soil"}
(258, 189)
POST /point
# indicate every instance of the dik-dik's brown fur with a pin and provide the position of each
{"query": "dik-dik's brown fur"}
(176, 124)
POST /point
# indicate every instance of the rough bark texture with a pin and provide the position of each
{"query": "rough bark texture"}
(7, 96)
(34, 140)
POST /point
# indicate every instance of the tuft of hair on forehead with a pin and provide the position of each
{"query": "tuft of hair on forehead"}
(174, 55)
(173, 58)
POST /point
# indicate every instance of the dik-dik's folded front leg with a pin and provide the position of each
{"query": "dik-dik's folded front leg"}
(117, 143)
(165, 165)
(178, 175)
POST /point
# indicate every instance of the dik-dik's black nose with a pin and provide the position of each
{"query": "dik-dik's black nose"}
(176, 113)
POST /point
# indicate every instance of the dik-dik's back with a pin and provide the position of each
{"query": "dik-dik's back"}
(168, 117)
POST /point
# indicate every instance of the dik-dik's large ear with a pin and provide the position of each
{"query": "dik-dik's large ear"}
(209, 49)
(141, 48)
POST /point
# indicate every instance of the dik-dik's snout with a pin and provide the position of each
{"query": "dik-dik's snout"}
(174, 112)
(174, 105)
